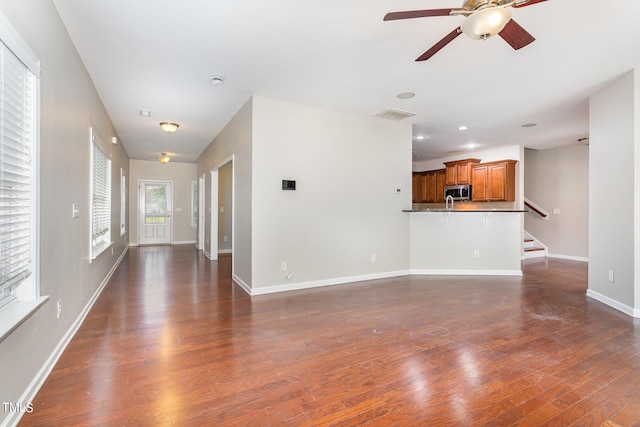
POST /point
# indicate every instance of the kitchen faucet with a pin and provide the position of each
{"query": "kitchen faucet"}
(446, 202)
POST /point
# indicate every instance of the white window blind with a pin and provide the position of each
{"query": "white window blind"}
(100, 199)
(18, 91)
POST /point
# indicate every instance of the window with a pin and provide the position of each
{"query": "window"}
(123, 203)
(100, 197)
(19, 91)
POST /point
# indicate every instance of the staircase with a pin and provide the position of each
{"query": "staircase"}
(533, 248)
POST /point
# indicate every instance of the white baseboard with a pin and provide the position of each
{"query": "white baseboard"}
(633, 312)
(327, 282)
(242, 284)
(569, 257)
(431, 272)
(185, 242)
(30, 393)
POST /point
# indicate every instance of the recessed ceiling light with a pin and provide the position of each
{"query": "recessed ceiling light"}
(145, 113)
(463, 127)
(529, 125)
(420, 137)
(405, 95)
(471, 146)
(216, 81)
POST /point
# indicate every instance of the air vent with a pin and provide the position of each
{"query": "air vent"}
(394, 114)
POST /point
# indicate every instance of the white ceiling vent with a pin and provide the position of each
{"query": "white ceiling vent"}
(395, 114)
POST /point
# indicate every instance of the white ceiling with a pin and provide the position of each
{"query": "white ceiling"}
(159, 55)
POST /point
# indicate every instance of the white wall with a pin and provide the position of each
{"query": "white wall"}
(181, 175)
(446, 243)
(69, 106)
(558, 178)
(614, 187)
(344, 208)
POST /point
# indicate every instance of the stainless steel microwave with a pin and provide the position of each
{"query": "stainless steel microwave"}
(458, 192)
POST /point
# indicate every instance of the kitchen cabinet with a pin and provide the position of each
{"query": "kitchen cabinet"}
(440, 182)
(459, 171)
(494, 181)
(428, 187)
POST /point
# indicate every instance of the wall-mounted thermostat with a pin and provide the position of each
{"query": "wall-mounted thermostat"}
(288, 184)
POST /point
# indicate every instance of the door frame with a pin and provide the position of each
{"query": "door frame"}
(201, 215)
(215, 209)
(140, 208)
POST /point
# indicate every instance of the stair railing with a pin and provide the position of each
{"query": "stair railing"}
(535, 209)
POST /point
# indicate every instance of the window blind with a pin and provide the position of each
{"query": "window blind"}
(18, 92)
(100, 200)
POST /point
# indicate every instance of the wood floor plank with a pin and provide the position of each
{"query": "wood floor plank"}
(173, 341)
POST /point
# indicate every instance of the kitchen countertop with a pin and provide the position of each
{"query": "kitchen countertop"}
(465, 210)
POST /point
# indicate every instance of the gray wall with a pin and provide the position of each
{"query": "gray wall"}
(233, 143)
(181, 175)
(558, 178)
(614, 198)
(69, 106)
(225, 214)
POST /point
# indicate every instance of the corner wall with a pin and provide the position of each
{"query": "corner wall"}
(235, 141)
(614, 194)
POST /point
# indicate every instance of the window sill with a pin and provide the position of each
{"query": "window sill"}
(16, 312)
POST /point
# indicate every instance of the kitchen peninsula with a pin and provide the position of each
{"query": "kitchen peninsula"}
(480, 235)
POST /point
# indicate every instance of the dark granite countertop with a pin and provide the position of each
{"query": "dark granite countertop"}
(465, 210)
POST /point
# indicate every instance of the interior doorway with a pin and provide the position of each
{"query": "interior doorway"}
(155, 203)
(201, 216)
(221, 233)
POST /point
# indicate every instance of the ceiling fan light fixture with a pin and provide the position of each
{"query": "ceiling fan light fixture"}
(164, 159)
(169, 127)
(486, 22)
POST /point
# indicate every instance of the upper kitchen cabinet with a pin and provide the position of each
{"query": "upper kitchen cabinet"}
(428, 187)
(494, 182)
(459, 172)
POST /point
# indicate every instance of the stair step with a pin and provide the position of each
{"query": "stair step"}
(533, 249)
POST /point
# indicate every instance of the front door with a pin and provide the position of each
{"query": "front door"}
(154, 223)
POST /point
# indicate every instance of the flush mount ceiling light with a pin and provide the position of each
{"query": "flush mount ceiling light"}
(169, 127)
(164, 159)
(486, 22)
(145, 113)
(216, 81)
(463, 127)
(405, 95)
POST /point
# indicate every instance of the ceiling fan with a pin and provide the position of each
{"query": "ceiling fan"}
(483, 19)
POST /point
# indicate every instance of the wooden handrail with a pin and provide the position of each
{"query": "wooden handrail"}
(536, 209)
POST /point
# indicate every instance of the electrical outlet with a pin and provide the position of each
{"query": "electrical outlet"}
(373, 257)
(476, 253)
(226, 238)
(556, 211)
(59, 309)
(611, 276)
(221, 209)
(283, 266)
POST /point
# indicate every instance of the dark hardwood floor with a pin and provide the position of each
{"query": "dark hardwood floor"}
(172, 341)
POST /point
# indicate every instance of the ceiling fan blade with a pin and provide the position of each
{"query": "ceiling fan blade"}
(515, 35)
(442, 43)
(417, 14)
(523, 3)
